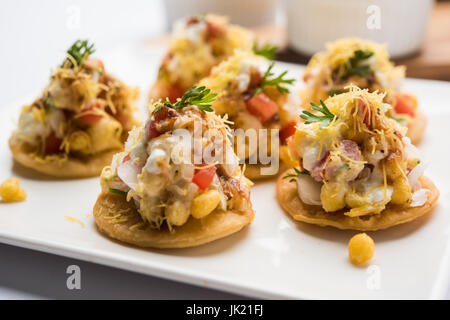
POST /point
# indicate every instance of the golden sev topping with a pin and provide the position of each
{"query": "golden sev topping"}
(75, 220)
(338, 53)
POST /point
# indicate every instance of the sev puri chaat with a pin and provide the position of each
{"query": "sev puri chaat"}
(80, 120)
(159, 192)
(199, 43)
(365, 64)
(357, 169)
(253, 97)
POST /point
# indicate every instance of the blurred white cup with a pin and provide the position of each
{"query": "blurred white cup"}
(401, 24)
(247, 13)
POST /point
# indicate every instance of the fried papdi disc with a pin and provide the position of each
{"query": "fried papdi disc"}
(253, 171)
(394, 214)
(195, 232)
(70, 168)
(416, 127)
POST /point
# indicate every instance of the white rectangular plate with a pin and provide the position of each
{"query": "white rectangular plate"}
(275, 257)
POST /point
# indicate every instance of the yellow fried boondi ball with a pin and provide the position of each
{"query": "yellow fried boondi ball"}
(10, 191)
(360, 248)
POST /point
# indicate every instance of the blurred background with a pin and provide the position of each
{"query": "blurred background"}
(35, 35)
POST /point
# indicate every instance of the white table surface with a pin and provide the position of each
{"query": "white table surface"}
(34, 35)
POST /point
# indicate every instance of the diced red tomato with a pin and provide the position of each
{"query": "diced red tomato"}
(159, 116)
(52, 143)
(94, 63)
(91, 118)
(162, 114)
(405, 104)
(213, 30)
(262, 107)
(126, 158)
(153, 133)
(287, 131)
(203, 177)
(192, 20)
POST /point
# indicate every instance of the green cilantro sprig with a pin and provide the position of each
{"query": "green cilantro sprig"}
(297, 173)
(324, 119)
(333, 92)
(80, 50)
(267, 51)
(277, 82)
(197, 96)
(117, 191)
(353, 68)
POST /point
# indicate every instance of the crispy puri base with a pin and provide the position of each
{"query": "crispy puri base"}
(71, 168)
(195, 232)
(253, 171)
(394, 214)
(416, 127)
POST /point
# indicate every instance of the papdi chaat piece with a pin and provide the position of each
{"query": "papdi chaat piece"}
(365, 64)
(199, 43)
(356, 168)
(178, 182)
(79, 122)
(254, 98)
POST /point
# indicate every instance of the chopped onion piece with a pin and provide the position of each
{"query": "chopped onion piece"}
(128, 172)
(411, 151)
(309, 190)
(419, 197)
(415, 174)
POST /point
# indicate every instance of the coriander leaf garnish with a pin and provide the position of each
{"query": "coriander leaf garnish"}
(274, 82)
(333, 92)
(197, 96)
(117, 191)
(360, 55)
(297, 173)
(80, 50)
(353, 68)
(361, 71)
(267, 51)
(324, 120)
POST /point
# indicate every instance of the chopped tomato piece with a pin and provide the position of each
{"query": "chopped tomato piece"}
(126, 158)
(157, 118)
(262, 107)
(405, 104)
(52, 143)
(203, 177)
(152, 132)
(192, 20)
(287, 131)
(162, 114)
(91, 118)
(213, 30)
